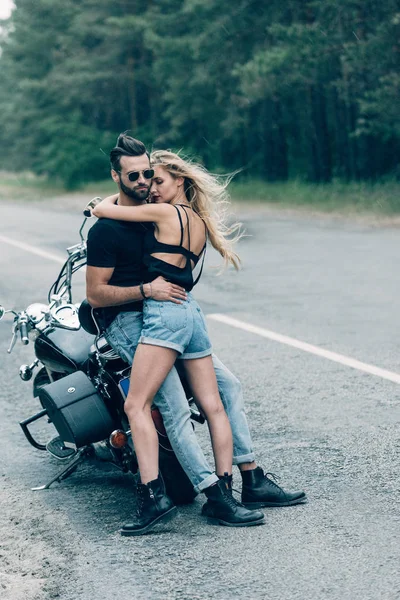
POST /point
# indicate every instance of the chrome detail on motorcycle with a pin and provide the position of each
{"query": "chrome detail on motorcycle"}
(66, 316)
(13, 339)
(102, 388)
(26, 371)
(36, 312)
(104, 349)
(59, 450)
(27, 433)
(68, 470)
(38, 317)
(5, 312)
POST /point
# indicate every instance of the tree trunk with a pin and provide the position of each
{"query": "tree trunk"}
(321, 162)
(131, 84)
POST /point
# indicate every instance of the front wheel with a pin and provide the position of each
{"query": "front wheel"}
(177, 483)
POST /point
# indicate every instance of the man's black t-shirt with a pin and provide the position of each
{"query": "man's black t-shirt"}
(117, 245)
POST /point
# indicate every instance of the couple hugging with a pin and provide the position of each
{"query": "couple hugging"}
(141, 255)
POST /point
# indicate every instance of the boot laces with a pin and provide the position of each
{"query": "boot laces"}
(233, 503)
(272, 478)
(232, 500)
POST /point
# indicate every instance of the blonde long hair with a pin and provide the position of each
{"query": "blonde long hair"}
(208, 197)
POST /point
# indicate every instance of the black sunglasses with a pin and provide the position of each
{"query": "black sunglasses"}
(134, 176)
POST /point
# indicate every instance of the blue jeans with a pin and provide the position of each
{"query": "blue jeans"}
(123, 335)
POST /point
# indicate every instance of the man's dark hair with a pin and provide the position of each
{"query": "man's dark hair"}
(126, 146)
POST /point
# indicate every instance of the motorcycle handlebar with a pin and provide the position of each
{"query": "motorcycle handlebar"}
(24, 334)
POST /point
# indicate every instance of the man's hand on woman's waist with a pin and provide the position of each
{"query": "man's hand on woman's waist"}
(101, 294)
(162, 290)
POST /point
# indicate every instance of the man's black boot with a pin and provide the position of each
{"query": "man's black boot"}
(259, 490)
(153, 506)
(222, 508)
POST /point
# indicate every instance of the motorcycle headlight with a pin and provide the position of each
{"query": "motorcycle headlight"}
(36, 312)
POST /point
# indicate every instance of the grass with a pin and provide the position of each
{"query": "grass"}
(356, 197)
(380, 198)
(26, 186)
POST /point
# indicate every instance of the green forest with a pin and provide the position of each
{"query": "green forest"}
(282, 90)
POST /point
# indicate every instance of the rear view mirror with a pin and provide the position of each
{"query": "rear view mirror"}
(2, 312)
(87, 211)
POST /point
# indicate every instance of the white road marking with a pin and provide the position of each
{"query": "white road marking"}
(283, 339)
(277, 337)
(32, 249)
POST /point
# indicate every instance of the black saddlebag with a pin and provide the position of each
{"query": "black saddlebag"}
(76, 409)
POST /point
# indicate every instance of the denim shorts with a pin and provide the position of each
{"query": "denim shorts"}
(181, 327)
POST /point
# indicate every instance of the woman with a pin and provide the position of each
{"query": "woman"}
(185, 199)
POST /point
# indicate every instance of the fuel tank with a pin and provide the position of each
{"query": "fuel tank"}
(63, 350)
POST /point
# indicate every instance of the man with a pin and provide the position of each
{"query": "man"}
(114, 285)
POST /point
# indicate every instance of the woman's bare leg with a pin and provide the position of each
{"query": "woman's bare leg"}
(150, 367)
(203, 382)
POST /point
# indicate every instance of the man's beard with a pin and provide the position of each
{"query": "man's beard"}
(138, 194)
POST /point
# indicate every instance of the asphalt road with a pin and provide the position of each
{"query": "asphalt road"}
(319, 425)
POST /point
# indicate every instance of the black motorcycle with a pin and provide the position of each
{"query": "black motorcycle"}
(82, 385)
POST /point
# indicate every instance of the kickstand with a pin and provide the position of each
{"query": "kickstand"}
(67, 471)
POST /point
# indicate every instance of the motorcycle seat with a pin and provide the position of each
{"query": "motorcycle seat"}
(87, 318)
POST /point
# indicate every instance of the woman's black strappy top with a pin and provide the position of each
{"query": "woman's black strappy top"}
(182, 276)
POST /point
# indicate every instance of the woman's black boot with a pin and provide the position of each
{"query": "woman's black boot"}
(153, 506)
(222, 508)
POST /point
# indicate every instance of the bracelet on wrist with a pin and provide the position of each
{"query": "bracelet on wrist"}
(142, 291)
